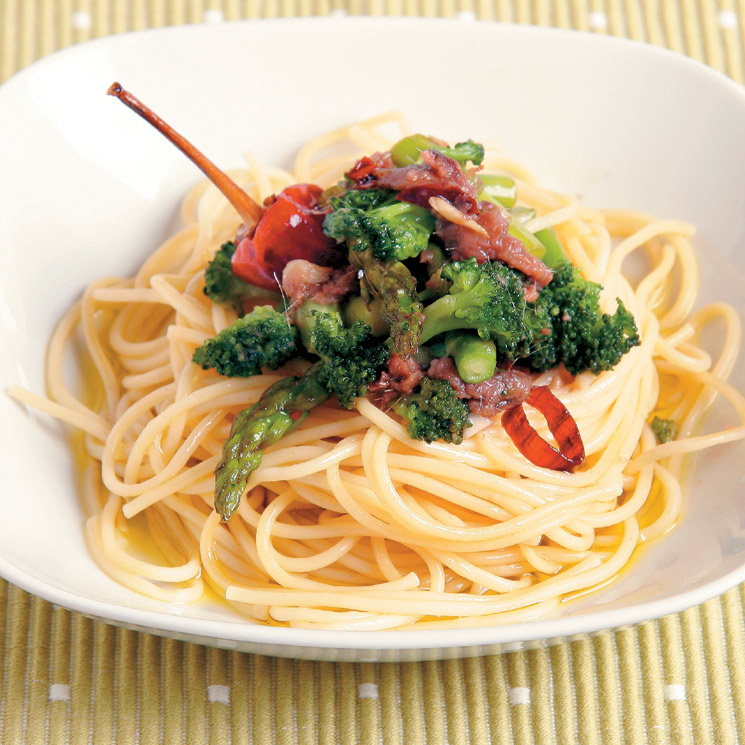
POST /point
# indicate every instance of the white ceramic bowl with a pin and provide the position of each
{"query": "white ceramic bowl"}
(87, 189)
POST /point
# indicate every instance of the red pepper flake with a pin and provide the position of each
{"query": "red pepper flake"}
(363, 171)
(562, 426)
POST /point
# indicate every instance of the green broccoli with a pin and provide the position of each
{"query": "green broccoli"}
(581, 337)
(262, 338)
(564, 325)
(408, 150)
(222, 286)
(434, 412)
(352, 358)
(665, 430)
(306, 317)
(488, 298)
(375, 219)
(361, 199)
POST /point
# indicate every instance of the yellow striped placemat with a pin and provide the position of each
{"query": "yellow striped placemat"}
(680, 680)
(712, 31)
(66, 678)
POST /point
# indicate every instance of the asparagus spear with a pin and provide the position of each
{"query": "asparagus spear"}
(281, 408)
(395, 286)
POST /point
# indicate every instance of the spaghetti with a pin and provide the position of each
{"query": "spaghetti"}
(348, 522)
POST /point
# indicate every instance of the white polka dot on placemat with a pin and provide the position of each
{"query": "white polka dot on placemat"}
(212, 15)
(598, 20)
(465, 15)
(727, 19)
(59, 692)
(675, 692)
(218, 694)
(367, 690)
(338, 13)
(81, 20)
(518, 695)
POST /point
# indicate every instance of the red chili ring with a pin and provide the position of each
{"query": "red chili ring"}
(562, 426)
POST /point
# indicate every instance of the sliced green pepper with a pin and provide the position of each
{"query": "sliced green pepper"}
(554, 253)
(498, 189)
(531, 243)
(408, 150)
(358, 310)
(475, 358)
(521, 215)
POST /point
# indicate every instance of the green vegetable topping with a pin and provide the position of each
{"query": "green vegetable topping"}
(371, 314)
(413, 301)
(665, 430)
(434, 412)
(262, 338)
(498, 189)
(581, 337)
(408, 150)
(531, 243)
(374, 219)
(488, 298)
(475, 358)
(281, 408)
(395, 287)
(554, 253)
(352, 359)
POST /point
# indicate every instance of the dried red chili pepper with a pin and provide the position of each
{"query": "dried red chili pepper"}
(562, 426)
(290, 228)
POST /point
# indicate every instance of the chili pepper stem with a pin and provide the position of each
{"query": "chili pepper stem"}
(246, 207)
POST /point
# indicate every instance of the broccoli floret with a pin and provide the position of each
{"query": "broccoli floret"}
(488, 298)
(352, 358)
(399, 231)
(262, 338)
(408, 150)
(434, 412)
(564, 325)
(375, 219)
(222, 286)
(665, 430)
(580, 335)
(464, 152)
(362, 199)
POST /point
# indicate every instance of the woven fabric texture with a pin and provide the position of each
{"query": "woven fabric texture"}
(678, 680)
